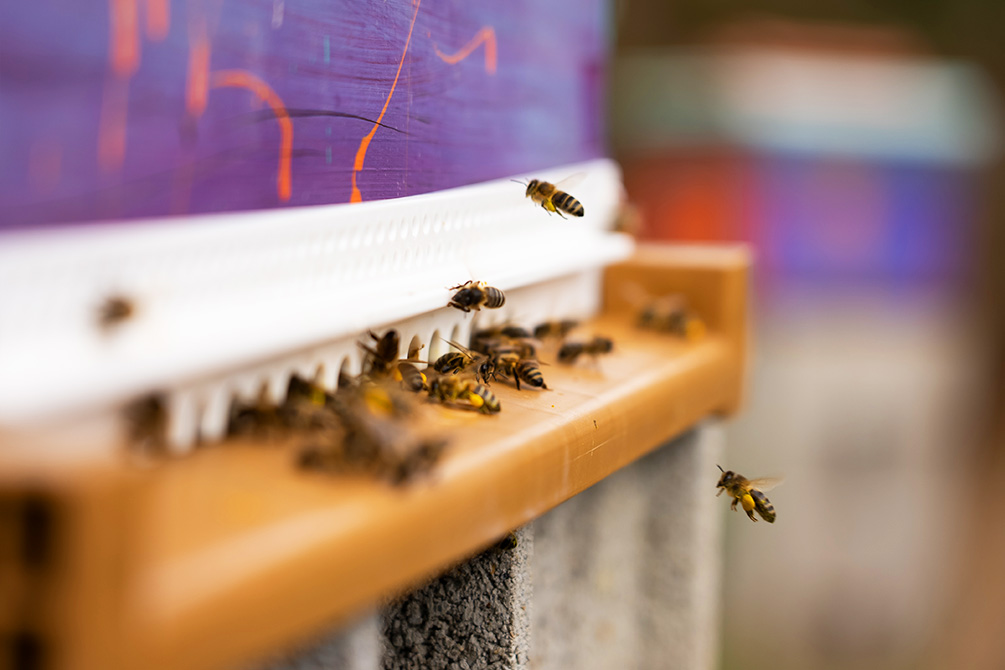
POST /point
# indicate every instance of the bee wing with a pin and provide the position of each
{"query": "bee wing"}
(572, 181)
(765, 484)
(461, 348)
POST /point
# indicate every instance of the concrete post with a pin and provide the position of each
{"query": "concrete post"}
(474, 617)
(626, 574)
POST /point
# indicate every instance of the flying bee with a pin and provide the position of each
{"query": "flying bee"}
(451, 388)
(382, 357)
(552, 199)
(556, 329)
(474, 295)
(571, 351)
(749, 493)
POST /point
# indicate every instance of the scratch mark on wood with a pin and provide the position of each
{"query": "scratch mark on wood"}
(355, 195)
(158, 19)
(295, 112)
(486, 35)
(246, 80)
(590, 452)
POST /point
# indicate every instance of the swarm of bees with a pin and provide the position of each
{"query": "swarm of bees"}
(749, 493)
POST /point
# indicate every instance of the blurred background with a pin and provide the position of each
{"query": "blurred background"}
(856, 146)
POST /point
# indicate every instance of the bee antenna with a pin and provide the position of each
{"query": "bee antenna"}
(523, 183)
(720, 469)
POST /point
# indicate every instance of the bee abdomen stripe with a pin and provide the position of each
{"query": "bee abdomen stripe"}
(495, 297)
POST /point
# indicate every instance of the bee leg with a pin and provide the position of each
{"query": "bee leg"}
(732, 505)
(748, 506)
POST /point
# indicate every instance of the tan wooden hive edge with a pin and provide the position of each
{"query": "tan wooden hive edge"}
(226, 555)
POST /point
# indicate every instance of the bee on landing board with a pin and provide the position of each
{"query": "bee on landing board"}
(571, 351)
(552, 199)
(749, 493)
(448, 389)
(556, 329)
(474, 295)
(382, 356)
(453, 362)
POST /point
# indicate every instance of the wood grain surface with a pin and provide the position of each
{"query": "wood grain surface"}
(117, 109)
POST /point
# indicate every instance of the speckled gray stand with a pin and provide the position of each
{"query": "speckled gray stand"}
(474, 617)
(625, 575)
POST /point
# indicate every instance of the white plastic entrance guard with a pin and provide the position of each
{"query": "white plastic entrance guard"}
(228, 304)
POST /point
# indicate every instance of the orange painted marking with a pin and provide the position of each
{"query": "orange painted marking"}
(112, 126)
(486, 35)
(124, 39)
(158, 19)
(246, 80)
(355, 195)
(197, 83)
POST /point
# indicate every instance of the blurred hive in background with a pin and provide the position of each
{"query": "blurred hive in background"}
(852, 159)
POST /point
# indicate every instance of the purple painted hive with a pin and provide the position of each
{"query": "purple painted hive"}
(130, 108)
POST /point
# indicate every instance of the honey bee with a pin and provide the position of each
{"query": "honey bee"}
(377, 436)
(571, 351)
(307, 408)
(474, 295)
(453, 362)
(519, 369)
(515, 332)
(667, 313)
(114, 311)
(554, 329)
(410, 376)
(749, 493)
(552, 199)
(451, 388)
(505, 340)
(670, 314)
(382, 357)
